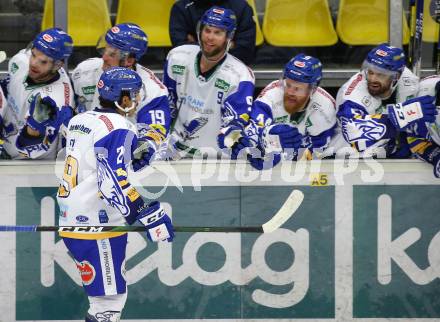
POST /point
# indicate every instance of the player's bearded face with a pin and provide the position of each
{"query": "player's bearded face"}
(213, 42)
(41, 67)
(378, 84)
(296, 95)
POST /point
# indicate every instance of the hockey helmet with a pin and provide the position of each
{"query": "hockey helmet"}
(304, 69)
(115, 80)
(386, 58)
(128, 37)
(54, 43)
(221, 18)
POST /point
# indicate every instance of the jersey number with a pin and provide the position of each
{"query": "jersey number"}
(70, 177)
(157, 117)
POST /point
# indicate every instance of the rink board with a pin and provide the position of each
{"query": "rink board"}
(364, 245)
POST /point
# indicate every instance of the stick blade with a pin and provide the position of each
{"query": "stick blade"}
(286, 211)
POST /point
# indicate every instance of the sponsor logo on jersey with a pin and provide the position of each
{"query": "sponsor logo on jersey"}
(79, 128)
(86, 271)
(14, 68)
(220, 83)
(308, 122)
(47, 38)
(103, 217)
(178, 69)
(82, 219)
(89, 90)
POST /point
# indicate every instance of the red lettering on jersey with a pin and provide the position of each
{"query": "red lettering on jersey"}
(269, 87)
(154, 78)
(353, 84)
(66, 94)
(326, 94)
(86, 271)
(107, 122)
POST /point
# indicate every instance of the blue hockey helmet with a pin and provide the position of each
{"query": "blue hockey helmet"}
(128, 37)
(115, 80)
(386, 58)
(304, 69)
(54, 43)
(221, 18)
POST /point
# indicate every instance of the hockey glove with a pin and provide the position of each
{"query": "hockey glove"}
(157, 222)
(407, 113)
(232, 137)
(268, 162)
(281, 137)
(44, 114)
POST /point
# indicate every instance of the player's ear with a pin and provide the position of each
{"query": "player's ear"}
(130, 62)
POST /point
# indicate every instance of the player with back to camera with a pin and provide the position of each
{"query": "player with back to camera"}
(95, 191)
(124, 45)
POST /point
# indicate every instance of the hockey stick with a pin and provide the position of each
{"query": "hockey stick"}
(435, 14)
(286, 211)
(412, 27)
(417, 46)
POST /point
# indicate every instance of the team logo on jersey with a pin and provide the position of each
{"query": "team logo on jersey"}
(299, 64)
(355, 130)
(193, 127)
(178, 69)
(86, 271)
(115, 29)
(223, 85)
(47, 37)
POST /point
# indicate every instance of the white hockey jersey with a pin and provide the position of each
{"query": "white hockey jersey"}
(95, 189)
(364, 112)
(317, 117)
(428, 87)
(200, 107)
(19, 97)
(153, 107)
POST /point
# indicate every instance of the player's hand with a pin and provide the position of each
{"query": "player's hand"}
(157, 222)
(280, 137)
(143, 154)
(409, 112)
(268, 162)
(44, 113)
(232, 137)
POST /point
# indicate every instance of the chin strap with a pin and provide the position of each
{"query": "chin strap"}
(126, 110)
